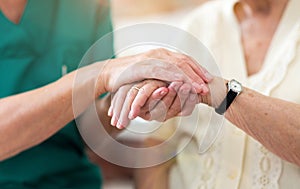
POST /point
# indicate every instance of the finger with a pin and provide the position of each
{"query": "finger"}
(159, 111)
(179, 101)
(159, 93)
(198, 74)
(145, 91)
(181, 98)
(184, 92)
(143, 96)
(165, 70)
(141, 100)
(167, 99)
(197, 68)
(205, 89)
(172, 69)
(117, 103)
(187, 60)
(197, 82)
(123, 117)
(189, 105)
(110, 110)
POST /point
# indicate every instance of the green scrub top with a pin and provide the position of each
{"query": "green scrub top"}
(52, 37)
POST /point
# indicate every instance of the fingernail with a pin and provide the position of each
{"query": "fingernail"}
(119, 126)
(109, 113)
(205, 89)
(163, 93)
(197, 87)
(160, 92)
(131, 115)
(175, 85)
(208, 76)
(113, 121)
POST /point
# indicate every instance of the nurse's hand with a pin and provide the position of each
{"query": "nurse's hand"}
(157, 64)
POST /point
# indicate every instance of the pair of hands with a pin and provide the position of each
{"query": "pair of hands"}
(153, 100)
(161, 98)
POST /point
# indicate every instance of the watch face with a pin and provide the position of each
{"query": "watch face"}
(235, 86)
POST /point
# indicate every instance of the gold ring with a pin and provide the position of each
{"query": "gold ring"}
(139, 89)
(136, 88)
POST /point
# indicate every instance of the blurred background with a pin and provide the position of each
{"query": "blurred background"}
(126, 13)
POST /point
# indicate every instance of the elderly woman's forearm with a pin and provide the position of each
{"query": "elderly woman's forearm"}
(273, 122)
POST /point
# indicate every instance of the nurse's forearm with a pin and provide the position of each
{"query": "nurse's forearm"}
(29, 118)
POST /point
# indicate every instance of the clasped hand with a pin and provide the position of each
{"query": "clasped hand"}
(153, 99)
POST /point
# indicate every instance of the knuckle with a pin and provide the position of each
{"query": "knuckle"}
(144, 82)
(157, 51)
(163, 50)
(185, 59)
(181, 63)
(172, 112)
(155, 83)
(153, 51)
(132, 93)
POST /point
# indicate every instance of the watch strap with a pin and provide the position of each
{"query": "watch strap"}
(226, 102)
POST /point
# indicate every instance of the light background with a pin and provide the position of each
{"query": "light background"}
(129, 12)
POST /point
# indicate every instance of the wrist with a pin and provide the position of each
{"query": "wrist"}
(90, 79)
(234, 88)
(102, 75)
(119, 71)
(217, 92)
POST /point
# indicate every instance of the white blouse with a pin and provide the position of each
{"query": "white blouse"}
(236, 160)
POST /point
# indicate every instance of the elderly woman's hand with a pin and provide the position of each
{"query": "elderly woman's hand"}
(152, 100)
(180, 100)
(150, 91)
